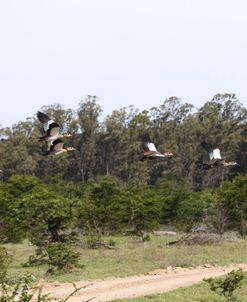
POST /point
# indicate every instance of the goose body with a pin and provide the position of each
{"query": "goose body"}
(150, 152)
(49, 128)
(57, 147)
(215, 159)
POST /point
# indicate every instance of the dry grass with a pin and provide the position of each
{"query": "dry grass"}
(131, 257)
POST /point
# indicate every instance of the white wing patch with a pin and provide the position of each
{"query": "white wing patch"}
(151, 147)
(216, 153)
(50, 122)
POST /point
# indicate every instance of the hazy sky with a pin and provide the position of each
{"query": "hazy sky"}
(127, 52)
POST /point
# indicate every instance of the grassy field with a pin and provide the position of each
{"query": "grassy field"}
(131, 257)
(196, 293)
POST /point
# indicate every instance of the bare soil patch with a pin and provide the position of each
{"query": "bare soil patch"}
(158, 281)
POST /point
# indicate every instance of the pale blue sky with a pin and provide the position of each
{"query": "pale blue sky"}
(127, 52)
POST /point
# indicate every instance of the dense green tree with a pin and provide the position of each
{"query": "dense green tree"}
(232, 198)
(143, 211)
(103, 206)
(113, 146)
(85, 142)
(171, 196)
(193, 209)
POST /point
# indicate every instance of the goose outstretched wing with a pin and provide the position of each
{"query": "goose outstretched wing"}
(49, 127)
(43, 118)
(57, 145)
(147, 145)
(209, 148)
(216, 153)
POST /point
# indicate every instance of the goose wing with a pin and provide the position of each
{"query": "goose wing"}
(57, 145)
(53, 128)
(209, 148)
(49, 127)
(216, 153)
(147, 145)
(43, 118)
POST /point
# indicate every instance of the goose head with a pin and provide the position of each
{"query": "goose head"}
(69, 149)
(168, 154)
(231, 163)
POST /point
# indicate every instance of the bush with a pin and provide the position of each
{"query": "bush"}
(93, 240)
(103, 206)
(23, 290)
(20, 290)
(62, 256)
(192, 209)
(4, 263)
(233, 199)
(228, 285)
(39, 258)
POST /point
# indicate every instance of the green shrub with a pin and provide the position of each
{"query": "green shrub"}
(4, 263)
(228, 285)
(93, 240)
(23, 289)
(39, 258)
(62, 256)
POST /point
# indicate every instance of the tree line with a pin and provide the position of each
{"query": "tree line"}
(113, 146)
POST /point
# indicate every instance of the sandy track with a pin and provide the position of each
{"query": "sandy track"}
(133, 286)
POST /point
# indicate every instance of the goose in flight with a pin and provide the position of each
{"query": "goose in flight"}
(57, 147)
(50, 130)
(150, 152)
(215, 159)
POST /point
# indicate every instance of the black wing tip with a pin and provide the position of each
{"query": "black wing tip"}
(203, 143)
(207, 146)
(145, 138)
(42, 117)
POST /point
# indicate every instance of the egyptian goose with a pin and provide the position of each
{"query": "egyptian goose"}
(49, 129)
(57, 147)
(215, 159)
(150, 151)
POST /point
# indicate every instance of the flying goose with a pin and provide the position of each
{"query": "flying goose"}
(150, 151)
(56, 148)
(49, 129)
(215, 159)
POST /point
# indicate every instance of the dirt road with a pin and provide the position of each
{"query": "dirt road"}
(159, 281)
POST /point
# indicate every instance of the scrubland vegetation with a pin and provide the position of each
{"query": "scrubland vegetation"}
(91, 214)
